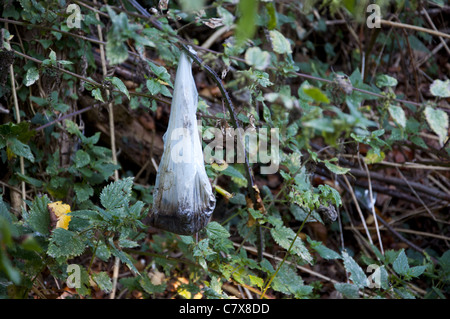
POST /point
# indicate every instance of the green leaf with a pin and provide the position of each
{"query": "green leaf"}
(398, 115)
(82, 158)
(440, 88)
(438, 121)
(65, 243)
(416, 271)
(335, 168)
(246, 25)
(20, 149)
(122, 256)
(97, 94)
(254, 56)
(83, 191)
(357, 275)
(279, 43)
(284, 237)
(215, 230)
(385, 80)
(31, 76)
(347, 290)
(103, 281)
(38, 217)
(117, 194)
(316, 94)
(322, 250)
(400, 264)
(120, 85)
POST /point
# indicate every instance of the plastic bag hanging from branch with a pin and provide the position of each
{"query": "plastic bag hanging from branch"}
(183, 200)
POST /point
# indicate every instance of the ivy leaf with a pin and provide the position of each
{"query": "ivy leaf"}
(438, 121)
(357, 275)
(254, 56)
(440, 88)
(31, 76)
(279, 43)
(65, 243)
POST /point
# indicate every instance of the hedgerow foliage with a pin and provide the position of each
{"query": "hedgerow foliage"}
(348, 101)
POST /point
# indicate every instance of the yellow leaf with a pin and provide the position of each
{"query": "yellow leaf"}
(60, 211)
(63, 222)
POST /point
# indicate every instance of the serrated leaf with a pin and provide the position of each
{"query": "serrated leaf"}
(117, 194)
(32, 76)
(38, 217)
(416, 271)
(83, 191)
(401, 265)
(215, 230)
(398, 115)
(254, 56)
(256, 281)
(357, 275)
(103, 281)
(347, 290)
(438, 122)
(65, 243)
(322, 250)
(284, 236)
(440, 88)
(120, 86)
(82, 159)
(279, 43)
(122, 256)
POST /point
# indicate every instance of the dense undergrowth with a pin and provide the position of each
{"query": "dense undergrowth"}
(358, 207)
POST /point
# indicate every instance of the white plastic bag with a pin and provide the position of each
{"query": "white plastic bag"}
(183, 200)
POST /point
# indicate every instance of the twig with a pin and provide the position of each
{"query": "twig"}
(17, 111)
(415, 28)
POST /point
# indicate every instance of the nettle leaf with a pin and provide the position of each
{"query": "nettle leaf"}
(82, 158)
(440, 88)
(122, 256)
(347, 290)
(401, 265)
(65, 243)
(398, 115)
(32, 76)
(279, 43)
(438, 121)
(357, 275)
(83, 191)
(215, 230)
(38, 218)
(117, 194)
(322, 250)
(284, 236)
(254, 56)
(103, 281)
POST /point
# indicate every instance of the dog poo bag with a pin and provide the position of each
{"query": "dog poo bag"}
(183, 200)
